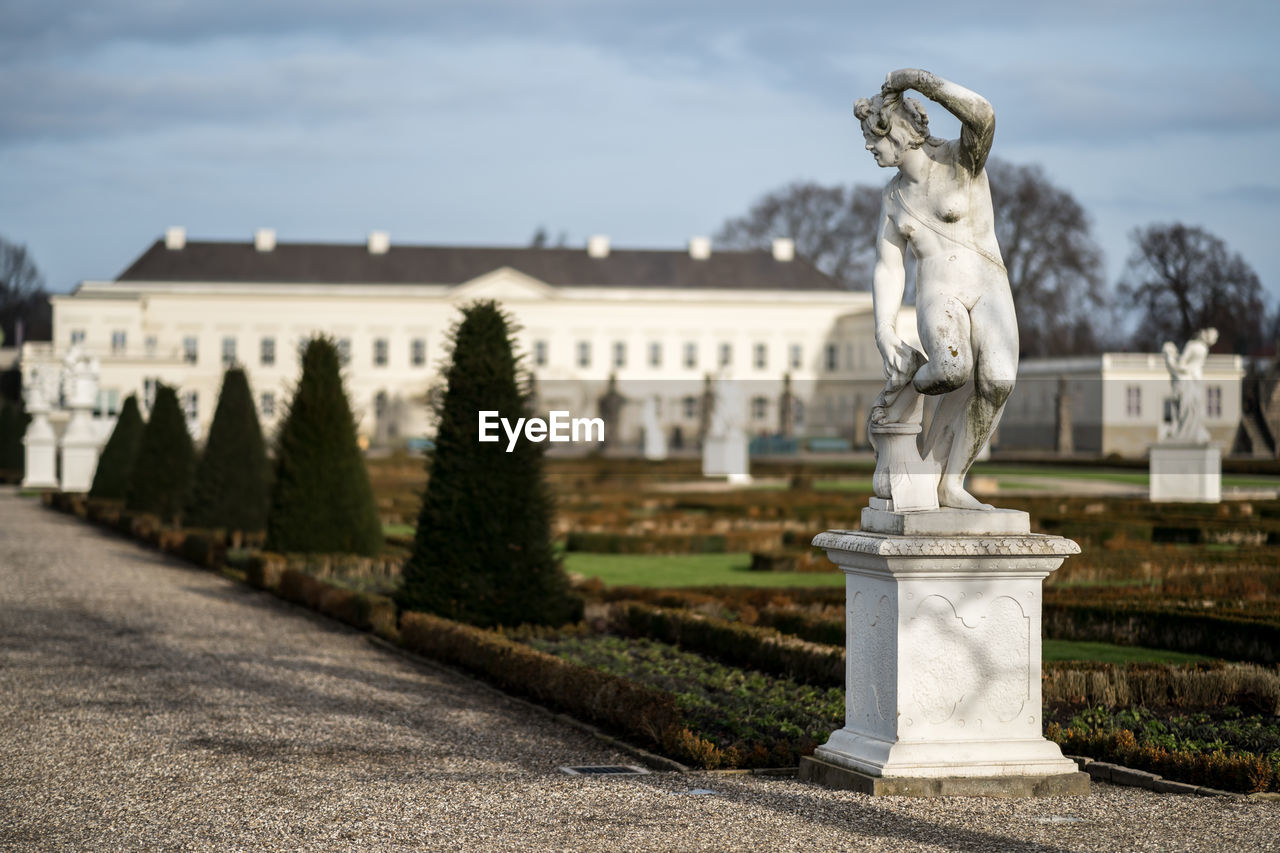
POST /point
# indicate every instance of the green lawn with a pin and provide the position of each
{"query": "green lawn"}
(688, 570)
(1107, 653)
(398, 529)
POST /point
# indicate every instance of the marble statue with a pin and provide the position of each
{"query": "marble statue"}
(1186, 374)
(938, 206)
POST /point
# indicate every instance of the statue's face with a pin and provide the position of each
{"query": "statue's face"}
(885, 149)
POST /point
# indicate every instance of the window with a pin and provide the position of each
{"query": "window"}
(190, 349)
(267, 352)
(107, 404)
(691, 354)
(418, 352)
(117, 341)
(584, 353)
(191, 404)
(379, 352)
(267, 404)
(77, 336)
(539, 353)
(833, 357)
(151, 343)
(1213, 401)
(797, 411)
(344, 351)
(149, 393)
(760, 355)
(690, 405)
(726, 355)
(759, 408)
(797, 356)
(228, 352)
(619, 354)
(380, 404)
(655, 354)
(1133, 401)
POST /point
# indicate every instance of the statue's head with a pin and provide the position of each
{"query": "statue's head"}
(891, 124)
(1209, 336)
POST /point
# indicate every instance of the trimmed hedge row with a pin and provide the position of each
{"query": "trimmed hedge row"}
(1199, 686)
(1128, 625)
(674, 543)
(1217, 769)
(617, 703)
(375, 613)
(733, 643)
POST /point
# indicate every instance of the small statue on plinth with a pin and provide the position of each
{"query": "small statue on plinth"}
(1186, 374)
(938, 206)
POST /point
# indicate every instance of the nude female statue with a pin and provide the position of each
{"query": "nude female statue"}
(1186, 374)
(939, 205)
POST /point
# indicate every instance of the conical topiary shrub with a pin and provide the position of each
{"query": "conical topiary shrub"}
(111, 480)
(232, 483)
(483, 553)
(321, 500)
(13, 426)
(161, 476)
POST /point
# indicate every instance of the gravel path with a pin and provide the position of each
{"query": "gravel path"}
(146, 705)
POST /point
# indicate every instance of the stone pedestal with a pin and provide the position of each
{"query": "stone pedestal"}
(80, 449)
(943, 657)
(726, 456)
(1190, 473)
(41, 452)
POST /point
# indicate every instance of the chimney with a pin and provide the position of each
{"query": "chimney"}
(598, 246)
(379, 242)
(784, 249)
(699, 248)
(264, 239)
(175, 237)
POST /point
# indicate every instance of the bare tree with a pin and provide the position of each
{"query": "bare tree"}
(1182, 279)
(22, 295)
(1055, 266)
(834, 228)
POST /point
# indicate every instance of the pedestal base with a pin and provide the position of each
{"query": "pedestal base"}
(1186, 473)
(79, 464)
(829, 775)
(943, 658)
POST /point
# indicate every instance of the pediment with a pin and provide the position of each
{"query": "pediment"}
(504, 283)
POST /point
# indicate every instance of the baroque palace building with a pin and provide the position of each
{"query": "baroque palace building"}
(643, 328)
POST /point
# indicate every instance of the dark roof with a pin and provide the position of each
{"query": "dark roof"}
(329, 263)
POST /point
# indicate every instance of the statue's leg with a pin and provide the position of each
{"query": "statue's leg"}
(973, 417)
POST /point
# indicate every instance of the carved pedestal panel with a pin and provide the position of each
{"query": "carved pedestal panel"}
(943, 655)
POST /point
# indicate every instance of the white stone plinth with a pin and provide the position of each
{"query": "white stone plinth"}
(1190, 473)
(79, 447)
(943, 654)
(726, 456)
(41, 453)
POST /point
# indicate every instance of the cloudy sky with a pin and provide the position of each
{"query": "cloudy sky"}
(476, 122)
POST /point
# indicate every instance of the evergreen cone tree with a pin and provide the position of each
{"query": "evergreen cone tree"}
(232, 483)
(111, 480)
(321, 500)
(161, 475)
(13, 426)
(482, 553)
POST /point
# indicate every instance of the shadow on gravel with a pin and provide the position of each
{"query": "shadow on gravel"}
(861, 813)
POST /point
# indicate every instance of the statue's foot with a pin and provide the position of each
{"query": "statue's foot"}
(953, 495)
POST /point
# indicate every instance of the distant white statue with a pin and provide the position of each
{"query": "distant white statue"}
(938, 205)
(1186, 374)
(80, 379)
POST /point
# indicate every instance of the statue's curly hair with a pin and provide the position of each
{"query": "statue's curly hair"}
(876, 115)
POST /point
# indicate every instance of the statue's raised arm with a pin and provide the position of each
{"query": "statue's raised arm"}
(977, 118)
